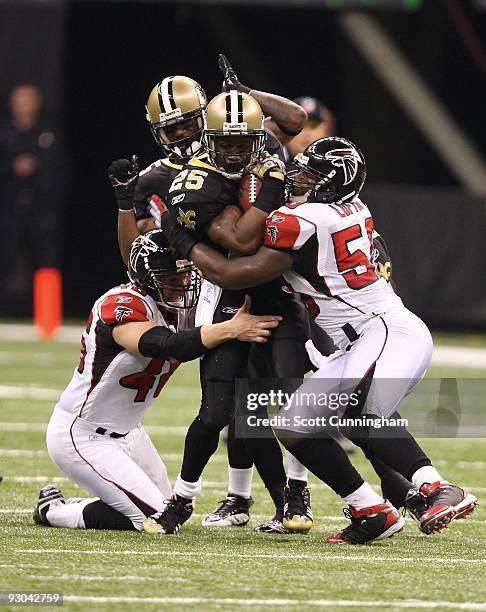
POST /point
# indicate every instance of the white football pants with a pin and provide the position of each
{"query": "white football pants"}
(396, 348)
(126, 473)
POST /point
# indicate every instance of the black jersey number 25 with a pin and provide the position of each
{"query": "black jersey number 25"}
(188, 179)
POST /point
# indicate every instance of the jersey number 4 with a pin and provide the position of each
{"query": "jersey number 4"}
(144, 380)
(348, 262)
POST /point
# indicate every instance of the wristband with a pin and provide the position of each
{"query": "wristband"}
(125, 202)
(286, 131)
(270, 196)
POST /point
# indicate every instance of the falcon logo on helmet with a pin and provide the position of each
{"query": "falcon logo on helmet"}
(347, 159)
(331, 170)
(173, 284)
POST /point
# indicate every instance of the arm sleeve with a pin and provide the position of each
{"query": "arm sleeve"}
(287, 232)
(161, 343)
(381, 257)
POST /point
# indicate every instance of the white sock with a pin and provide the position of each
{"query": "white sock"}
(295, 469)
(428, 473)
(239, 481)
(363, 497)
(68, 515)
(189, 490)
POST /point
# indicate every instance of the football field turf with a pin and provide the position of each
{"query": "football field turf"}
(209, 568)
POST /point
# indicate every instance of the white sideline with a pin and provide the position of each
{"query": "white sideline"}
(467, 357)
(175, 553)
(323, 603)
(22, 332)
(34, 393)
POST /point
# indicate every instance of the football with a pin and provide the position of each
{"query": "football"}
(249, 189)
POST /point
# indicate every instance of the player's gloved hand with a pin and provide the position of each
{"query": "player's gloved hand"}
(179, 238)
(269, 166)
(123, 175)
(230, 81)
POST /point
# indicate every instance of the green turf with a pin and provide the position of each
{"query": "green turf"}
(235, 565)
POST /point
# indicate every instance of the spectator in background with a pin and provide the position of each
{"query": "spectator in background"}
(320, 124)
(32, 183)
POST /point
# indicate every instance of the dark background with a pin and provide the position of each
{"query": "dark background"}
(98, 61)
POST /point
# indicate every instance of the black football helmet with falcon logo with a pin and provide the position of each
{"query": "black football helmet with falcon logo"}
(173, 283)
(331, 170)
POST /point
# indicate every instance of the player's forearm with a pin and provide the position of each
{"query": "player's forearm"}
(284, 112)
(242, 234)
(236, 273)
(127, 232)
(213, 335)
(249, 231)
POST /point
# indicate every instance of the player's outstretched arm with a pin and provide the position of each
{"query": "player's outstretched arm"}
(123, 175)
(241, 272)
(151, 340)
(287, 117)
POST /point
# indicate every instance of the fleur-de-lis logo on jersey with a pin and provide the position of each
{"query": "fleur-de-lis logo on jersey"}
(185, 219)
(347, 159)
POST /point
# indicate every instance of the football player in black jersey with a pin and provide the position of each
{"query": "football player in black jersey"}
(203, 198)
(151, 190)
(175, 109)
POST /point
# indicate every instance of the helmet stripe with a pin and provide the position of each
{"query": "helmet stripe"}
(234, 106)
(240, 108)
(228, 108)
(166, 95)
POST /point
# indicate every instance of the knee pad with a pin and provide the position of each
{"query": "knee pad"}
(217, 404)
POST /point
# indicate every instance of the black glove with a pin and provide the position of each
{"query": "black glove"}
(178, 238)
(123, 175)
(230, 79)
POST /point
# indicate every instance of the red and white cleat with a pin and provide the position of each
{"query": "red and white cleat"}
(368, 524)
(445, 502)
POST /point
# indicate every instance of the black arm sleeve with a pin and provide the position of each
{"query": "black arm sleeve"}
(161, 343)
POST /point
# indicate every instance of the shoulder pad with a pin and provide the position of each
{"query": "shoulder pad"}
(285, 231)
(123, 307)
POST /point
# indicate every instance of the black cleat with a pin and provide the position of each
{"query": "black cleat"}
(445, 502)
(274, 526)
(415, 504)
(233, 511)
(297, 509)
(49, 495)
(171, 519)
(368, 524)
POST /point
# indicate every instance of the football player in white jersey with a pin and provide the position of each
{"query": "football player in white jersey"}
(321, 241)
(136, 336)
